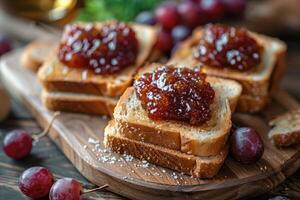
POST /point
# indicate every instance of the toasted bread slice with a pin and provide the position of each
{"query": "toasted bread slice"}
(286, 129)
(258, 83)
(197, 166)
(205, 140)
(80, 103)
(57, 77)
(35, 53)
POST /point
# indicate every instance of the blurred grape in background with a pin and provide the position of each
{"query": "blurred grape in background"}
(176, 18)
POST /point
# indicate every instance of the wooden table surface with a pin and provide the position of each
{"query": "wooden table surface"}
(46, 154)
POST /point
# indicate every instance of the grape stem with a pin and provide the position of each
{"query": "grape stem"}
(95, 189)
(47, 129)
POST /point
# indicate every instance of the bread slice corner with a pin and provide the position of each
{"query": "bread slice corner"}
(35, 53)
(285, 129)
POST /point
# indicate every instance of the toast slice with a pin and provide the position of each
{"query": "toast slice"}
(205, 140)
(80, 103)
(286, 129)
(55, 76)
(258, 83)
(36, 53)
(197, 166)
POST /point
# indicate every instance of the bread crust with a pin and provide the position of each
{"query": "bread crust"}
(200, 167)
(252, 104)
(286, 129)
(258, 84)
(287, 139)
(88, 104)
(54, 76)
(35, 53)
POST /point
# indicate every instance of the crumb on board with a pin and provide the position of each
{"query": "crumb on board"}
(106, 156)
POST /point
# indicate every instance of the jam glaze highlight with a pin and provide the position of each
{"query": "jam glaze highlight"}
(228, 47)
(179, 94)
(104, 50)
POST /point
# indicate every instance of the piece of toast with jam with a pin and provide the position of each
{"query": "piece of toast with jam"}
(256, 61)
(177, 114)
(93, 65)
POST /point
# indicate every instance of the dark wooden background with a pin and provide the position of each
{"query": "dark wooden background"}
(46, 154)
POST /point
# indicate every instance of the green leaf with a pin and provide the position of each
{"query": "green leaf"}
(123, 10)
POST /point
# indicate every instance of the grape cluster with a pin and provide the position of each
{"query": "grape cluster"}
(178, 20)
(38, 182)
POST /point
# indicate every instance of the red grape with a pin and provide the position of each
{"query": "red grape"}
(5, 44)
(164, 41)
(212, 9)
(145, 17)
(66, 188)
(167, 15)
(246, 145)
(190, 14)
(36, 182)
(17, 144)
(180, 33)
(234, 7)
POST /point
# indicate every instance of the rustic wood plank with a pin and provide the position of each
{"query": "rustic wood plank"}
(9, 189)
(78, 136)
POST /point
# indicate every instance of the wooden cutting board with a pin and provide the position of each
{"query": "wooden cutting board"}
(80, 139)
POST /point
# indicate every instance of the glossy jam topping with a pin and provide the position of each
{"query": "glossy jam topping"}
(228, 47)
(179, 94)
(105, 50)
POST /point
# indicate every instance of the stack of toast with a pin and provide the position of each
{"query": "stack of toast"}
(81, 90)
(195, 150)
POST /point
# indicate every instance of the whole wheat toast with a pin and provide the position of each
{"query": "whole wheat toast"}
(55, 76)
(79, 103)
(205, 140)
(286, 129)
(258, 83)
(197, 166)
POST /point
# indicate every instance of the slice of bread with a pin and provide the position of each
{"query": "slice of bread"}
(80, 103)
(258, 83)
(57, 77)
(286, 129)
(205, 140)
(36, 53)
(197, 166)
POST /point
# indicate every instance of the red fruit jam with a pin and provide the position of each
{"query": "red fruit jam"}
(228, 47)
(180, 94)
(105, 50)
